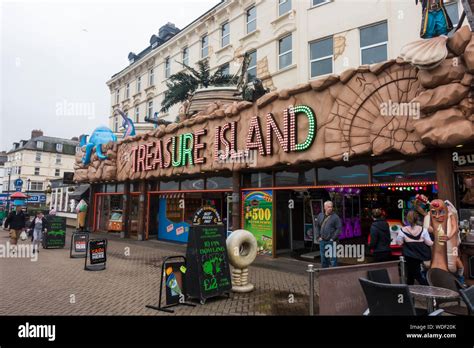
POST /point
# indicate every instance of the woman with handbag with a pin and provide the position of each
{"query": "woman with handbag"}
(38, 226)
(416, 248)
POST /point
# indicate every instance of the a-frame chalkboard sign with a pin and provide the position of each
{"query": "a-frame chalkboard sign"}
(208, 271)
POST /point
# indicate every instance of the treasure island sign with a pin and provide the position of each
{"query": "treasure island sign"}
(224, 145)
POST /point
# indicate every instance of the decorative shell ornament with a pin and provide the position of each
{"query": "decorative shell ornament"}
(425, 53)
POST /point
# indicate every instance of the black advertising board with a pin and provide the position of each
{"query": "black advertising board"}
(79, 242)
(98, 251)
(208, 272)
(207, 215)
(175, 281)
(55, 237)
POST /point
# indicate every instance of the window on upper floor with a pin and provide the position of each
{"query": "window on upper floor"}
(139, 84)
(226, 70)
(58, 159)
(137, 114)
(150, 109)
(36, 186)
(59, 147)
(321, 57)
(38, 157)
(57, 172)
(285, 52)
(319, 2)
(167, 67)
(39, 145)
(252, 68)
(373, 43)
(453, 12)
(225, 34)
(78, 149)
(151, 77)
(284, 6)
(251, 19)
(116, 124)
(37, 171)
(204, 46)
(117, 96)
(186, 56)
(127, 91)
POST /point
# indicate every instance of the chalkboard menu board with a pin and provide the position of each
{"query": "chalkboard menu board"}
(208, 272)
(97, 251)
(55, 237)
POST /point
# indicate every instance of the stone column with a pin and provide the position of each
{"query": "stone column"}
(444, 174)
(66, 205)
(236, 210)
(142, 211)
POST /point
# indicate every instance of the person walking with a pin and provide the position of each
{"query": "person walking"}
(416, 243)
(16, 222)
(328, 227)
(38, 226)
(380, 238)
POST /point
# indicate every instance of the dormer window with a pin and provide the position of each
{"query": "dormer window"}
(59, 147)
(39, 145)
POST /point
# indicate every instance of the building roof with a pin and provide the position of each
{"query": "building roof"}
(148, 49)
(49, 145)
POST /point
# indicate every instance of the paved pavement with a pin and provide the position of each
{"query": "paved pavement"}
(57, 285)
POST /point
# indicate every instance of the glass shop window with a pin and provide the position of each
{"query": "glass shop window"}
(419, 169)
(358, 174)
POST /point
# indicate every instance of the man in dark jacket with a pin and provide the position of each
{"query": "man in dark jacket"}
(327, 230)
(16, 221)
(380, 238)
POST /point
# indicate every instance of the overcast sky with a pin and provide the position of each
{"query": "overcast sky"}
(58, 54)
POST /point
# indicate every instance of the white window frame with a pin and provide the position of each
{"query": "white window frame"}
(253, 20)
(58, 158)
(117, 96)
(39, 144)
(185, 55)
(38, 157)
(320, 4)
(281, 2)
(204, 47)
(253, 66)
(227, 36)
(373, 45)
(59, 147)
(37, 171)
(284, 53)
(57, 172)
(151, 77)
(167, 67)
(139, 84)
(137, 113)
(127, 91)
(116, 124)
(322, 58)
(150, 107)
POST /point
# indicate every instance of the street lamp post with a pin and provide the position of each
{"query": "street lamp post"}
(27, 192)
(8, 198)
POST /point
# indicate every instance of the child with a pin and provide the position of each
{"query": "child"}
(38, 225)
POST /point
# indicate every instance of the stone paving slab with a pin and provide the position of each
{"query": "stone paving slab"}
(58, 285)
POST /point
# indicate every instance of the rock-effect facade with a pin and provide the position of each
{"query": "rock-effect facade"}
(390, 106)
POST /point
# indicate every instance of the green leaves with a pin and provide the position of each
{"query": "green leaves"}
(183, 84)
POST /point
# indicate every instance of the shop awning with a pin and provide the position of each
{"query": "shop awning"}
(80, 191)
(171, 195)
(19, 195)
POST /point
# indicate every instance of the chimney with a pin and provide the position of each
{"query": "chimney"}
(36, 133)
(167, 31)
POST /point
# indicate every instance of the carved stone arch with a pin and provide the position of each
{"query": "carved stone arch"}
(150, 95)
(356, 124)
(227, 58)
(250, 46)
(284, 29)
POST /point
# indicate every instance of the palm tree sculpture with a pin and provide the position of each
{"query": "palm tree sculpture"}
(183, 84)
